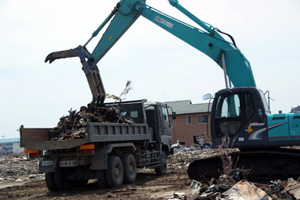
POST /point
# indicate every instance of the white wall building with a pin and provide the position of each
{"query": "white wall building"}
(10, 146)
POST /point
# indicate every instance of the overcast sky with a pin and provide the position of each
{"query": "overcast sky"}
(160, 66)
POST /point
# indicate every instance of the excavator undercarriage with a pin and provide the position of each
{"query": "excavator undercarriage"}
(258, 165)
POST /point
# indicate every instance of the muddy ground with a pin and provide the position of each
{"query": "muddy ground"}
(147, 186)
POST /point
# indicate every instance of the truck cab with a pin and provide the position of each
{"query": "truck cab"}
(153, 113)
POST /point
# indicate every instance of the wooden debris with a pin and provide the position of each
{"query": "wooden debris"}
(74, 125)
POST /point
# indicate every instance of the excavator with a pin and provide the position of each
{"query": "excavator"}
(240, 115)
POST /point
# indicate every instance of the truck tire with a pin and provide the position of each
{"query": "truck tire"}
(49, 178)
(129, 166)
(60, 179)
(100, 175)
(114, 174)
(162, 169)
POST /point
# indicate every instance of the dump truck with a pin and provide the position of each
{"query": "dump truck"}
(110, 153)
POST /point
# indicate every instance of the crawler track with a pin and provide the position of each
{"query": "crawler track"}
(261, 164)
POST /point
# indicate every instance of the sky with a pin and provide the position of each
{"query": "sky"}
(160, 66)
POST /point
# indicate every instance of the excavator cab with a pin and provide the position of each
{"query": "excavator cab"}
(234, 110)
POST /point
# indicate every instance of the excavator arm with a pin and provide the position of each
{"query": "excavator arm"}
(205, 38)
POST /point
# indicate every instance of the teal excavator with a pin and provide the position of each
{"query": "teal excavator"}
(240, 115)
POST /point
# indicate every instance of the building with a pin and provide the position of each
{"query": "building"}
(192, 124)
(10, 146)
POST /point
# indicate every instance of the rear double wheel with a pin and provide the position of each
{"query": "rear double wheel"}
(49, 178)
(57, 180)
(60, 179)
(114, 174)
(129, 166)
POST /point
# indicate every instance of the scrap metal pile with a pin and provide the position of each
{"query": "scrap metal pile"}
(74, 125)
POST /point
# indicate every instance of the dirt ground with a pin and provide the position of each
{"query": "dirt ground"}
(147, 186)
(19, 179)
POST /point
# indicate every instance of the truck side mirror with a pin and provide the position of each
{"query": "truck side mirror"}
(207, 96)
(173, 115)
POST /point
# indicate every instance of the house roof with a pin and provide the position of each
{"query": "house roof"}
(186, 107)
(9, 140)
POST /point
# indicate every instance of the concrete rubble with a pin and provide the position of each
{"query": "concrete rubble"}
(18, 169)
(74, 125)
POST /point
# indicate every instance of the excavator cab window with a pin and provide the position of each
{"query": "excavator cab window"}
(249, 106)
(232, 112)
(228, 115)
(228, 106)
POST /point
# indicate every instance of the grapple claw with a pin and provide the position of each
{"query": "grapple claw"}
(64, 54)
(49, 58)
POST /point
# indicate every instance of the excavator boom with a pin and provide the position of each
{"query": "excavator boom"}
(205, 38)
(208, 41)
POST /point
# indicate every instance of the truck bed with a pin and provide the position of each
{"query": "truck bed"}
(38, 138)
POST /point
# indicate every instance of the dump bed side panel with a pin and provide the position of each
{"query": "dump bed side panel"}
(34, 135)
(38, 138)
(111, 132)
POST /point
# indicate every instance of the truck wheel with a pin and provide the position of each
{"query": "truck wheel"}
(114, 174)
(60, 179)
(49, 178)
(100, 175)
(162, 169)
(129, 165)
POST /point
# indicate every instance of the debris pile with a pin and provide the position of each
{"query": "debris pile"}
(73, 126)
(182, 158)
(231, 185)
(18, 169)
(226, 188)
